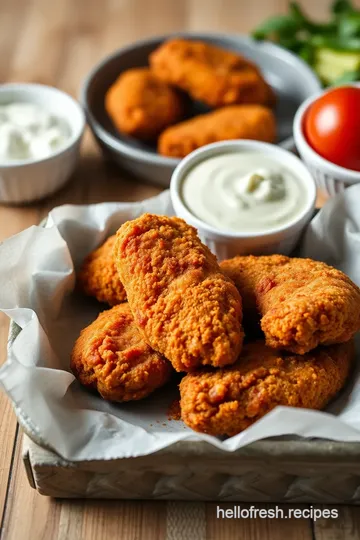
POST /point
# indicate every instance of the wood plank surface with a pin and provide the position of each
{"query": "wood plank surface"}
(57, 43)
(346, 526)
(7, 424)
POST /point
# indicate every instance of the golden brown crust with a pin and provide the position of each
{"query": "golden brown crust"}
(233, 122)
(185, 307)
(303, 303)
(141, 105)
(210, 74)
(228, 400)
(111, 357)
(99, 277)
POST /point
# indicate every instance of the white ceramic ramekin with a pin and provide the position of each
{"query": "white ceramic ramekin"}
(330, 178)
(24, 181)
(228, 244)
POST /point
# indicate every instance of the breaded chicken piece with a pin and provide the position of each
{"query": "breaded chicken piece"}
(303, 303)
(110, 356)
(141, 105)
(99, 277)
(185, 307)
(210, 74)
(234, 122)
(228, 400)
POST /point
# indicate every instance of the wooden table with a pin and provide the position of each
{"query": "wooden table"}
(57, 43)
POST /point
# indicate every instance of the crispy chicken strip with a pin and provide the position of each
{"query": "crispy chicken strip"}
(303, 303)
(210, 74)
(110, 356)
(99, 277)
(141, 105)
(185, 307)
(228, 400)
(233, 122)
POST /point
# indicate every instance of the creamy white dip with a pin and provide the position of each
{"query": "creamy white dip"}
(243, 192)
(28, 131)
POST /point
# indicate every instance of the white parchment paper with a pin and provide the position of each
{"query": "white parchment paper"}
(36, 290)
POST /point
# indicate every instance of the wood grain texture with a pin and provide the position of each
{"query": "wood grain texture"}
(7, 424)
(57, 43)
(28, 515)
(346, 526)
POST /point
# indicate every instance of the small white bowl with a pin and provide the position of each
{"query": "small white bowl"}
(23, 181)
(330, 178)
(228, 244)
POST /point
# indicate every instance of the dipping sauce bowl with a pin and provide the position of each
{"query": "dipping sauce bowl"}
(228, 243)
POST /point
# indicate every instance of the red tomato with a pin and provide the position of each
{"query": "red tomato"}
(332, 126)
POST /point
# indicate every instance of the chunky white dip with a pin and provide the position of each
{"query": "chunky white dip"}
(28, 131)
(243, 192)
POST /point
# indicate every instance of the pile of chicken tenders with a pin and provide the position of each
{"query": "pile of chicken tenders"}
(151, 103)
(247, 334)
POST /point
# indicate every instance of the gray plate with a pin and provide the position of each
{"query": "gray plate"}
(292, 80)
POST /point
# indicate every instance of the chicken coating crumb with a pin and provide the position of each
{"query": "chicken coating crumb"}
(98, 276)
(185, 307)
(303, 303)
(110, 356)
(233, 122)
(210, 74)
(142, 106)
(229, 400)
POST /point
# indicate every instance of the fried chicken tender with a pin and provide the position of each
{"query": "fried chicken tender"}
(228, 400)
(99, 277)
(185, 307)
(141, 105)
(303, 303)
(110, 356)
(233, 122)
(210, 74)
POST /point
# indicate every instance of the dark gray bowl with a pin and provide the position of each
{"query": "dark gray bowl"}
(292, 80)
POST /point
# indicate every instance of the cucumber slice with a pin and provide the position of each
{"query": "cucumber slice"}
(330, 65)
